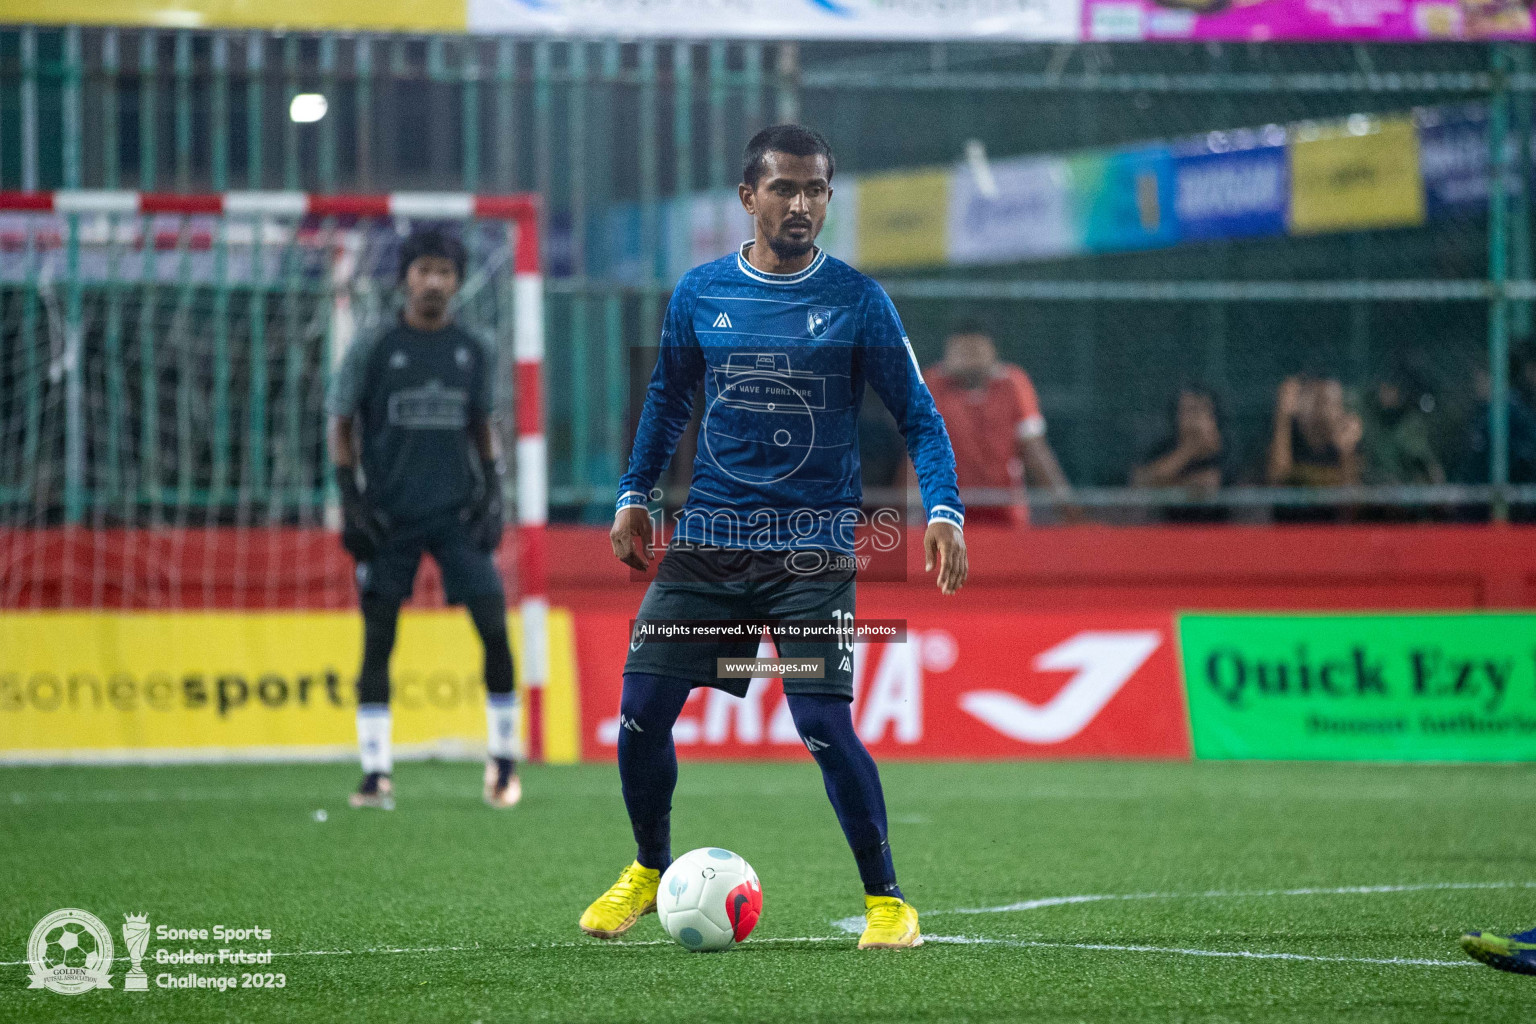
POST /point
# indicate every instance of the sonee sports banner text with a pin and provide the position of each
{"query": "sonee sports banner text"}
(212, 686)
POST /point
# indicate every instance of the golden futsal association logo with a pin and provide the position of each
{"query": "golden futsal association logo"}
(70, 952)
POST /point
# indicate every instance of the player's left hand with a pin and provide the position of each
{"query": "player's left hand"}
(631, 537)
(485, 516)
(944, 544)
(487, 525)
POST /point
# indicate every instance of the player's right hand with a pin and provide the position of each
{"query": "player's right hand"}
(944, 546)
(631, 537)
(362, 532)
(357, 543)
(362, 527)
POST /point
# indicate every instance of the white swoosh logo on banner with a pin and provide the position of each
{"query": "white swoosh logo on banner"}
(1104, 662)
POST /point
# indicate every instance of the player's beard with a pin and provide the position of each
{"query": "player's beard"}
(431, 304)
(789, 249)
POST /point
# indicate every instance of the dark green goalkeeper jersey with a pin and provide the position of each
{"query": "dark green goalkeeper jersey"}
(414, 394)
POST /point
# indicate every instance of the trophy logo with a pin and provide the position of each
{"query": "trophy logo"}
(70, 952)
(136, 937)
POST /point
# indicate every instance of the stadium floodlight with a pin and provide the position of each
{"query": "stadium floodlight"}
(307, 108)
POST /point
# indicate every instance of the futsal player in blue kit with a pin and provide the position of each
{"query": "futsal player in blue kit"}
(784, 339)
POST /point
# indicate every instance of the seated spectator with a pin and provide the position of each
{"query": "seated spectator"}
(1522, 424)
(1193, 456)
(994, 422)
(1316, 443)
(1396, 447)
(1316, 440)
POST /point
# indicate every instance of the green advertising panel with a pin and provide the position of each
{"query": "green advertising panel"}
(1357, 687)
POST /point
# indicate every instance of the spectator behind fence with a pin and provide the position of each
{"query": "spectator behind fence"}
(1397, 446)
(1192, 456)
(1316, 443)
(1316, 440)
(1522, 424)
(994, 422)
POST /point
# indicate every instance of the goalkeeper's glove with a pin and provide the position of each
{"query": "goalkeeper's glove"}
(363, 528)
(485, 515)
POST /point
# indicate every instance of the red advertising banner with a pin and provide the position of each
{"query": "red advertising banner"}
(964, 685)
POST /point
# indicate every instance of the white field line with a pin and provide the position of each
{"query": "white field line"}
(431, 790)
(145, 796)
(1237, 954)
(966, 940)
(446, 750)
(1347, 890)
(395, 950)
(854, 925)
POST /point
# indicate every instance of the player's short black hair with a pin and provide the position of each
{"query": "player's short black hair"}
(794, 139)
(432, 242)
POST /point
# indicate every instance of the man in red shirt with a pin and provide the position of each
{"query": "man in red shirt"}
(994, 422)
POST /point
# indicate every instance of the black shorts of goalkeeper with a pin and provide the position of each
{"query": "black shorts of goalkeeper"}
(468, 572)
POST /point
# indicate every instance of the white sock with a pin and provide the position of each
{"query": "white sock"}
(373, 729)
(501, 725)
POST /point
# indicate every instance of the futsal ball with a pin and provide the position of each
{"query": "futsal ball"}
(710, 899)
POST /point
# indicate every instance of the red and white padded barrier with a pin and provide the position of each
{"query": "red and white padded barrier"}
(522, 211)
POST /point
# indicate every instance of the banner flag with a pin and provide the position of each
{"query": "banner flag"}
(1030, 214)
(298, 15)
(903, 219)
(919, 20)
(1240, 193)
(1255, 21)
(1127, 198)
(1356, 174)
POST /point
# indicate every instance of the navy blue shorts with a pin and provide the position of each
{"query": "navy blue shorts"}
(733, 584)
(467, 571)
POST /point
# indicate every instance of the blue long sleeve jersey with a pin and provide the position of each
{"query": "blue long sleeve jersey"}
(784, 359)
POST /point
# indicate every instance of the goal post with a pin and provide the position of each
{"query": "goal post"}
(114, 298)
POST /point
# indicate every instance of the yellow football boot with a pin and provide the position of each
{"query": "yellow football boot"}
(891, 923)
(626, 901)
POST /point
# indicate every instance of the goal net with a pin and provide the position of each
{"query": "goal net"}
(163, 366)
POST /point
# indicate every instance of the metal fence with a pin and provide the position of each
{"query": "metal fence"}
(596, 125)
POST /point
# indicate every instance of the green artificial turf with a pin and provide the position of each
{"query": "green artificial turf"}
(446, 910)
